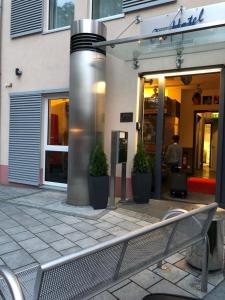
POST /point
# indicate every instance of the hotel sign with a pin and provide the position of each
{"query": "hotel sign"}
(184, 18)
(190, 21)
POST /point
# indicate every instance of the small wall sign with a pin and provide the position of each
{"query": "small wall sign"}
(126, 117)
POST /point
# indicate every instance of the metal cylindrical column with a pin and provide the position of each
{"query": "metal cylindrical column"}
(216, 247)
(87, 97)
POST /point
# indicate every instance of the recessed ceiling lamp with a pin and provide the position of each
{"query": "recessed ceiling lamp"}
(186, 79)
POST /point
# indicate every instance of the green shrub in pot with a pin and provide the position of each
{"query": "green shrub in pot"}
(98, 179)
(141, 176)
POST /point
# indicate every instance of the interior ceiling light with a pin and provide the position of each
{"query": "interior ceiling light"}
(150, 81)
(186, 79)
(162, 38)
(173, 74)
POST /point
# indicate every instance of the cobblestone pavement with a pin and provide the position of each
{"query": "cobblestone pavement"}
(30, 236)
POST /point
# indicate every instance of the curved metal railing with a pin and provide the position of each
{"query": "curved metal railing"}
(173, 213)
(170, 214)
(176, 212)
(12, 283)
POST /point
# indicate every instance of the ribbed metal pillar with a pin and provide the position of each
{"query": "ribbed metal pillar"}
(87, 98)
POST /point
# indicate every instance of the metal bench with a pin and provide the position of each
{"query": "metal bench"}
(87, 273)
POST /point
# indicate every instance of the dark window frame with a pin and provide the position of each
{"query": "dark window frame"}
(131, 5)
(52, 22)
(107, 16)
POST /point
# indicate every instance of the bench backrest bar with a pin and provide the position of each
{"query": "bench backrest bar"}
(82, 274)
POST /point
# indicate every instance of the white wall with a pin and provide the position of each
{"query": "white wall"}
(122, 90)
(44, 60)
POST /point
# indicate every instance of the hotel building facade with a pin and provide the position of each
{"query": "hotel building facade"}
(164, 75)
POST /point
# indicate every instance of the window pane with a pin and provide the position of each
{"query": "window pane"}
(103, 8)
(56, 166)
(58, 117)
(61, 13)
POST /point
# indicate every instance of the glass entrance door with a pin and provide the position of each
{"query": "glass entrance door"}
(153, 114)
(56, 142)
(190, 140)
(172, 102)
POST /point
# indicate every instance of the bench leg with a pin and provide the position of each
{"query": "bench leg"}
(205, 262)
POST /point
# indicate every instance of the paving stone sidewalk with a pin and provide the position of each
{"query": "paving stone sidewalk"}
(50, 200)
(30, 236)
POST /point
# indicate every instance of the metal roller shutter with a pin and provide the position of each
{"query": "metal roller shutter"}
(25, 138)
(26, 17)
(131, 5)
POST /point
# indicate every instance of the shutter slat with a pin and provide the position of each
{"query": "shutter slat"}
(25, 139)
(26, 17)
(132, 5)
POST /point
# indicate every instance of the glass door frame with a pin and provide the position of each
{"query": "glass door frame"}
(53, 148)
(159, 127)
(161, 76)
(220, 168)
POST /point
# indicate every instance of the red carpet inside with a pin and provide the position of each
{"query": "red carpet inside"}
(201, 185)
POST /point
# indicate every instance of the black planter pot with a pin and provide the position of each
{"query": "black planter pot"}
(142, 185)
(98, 191)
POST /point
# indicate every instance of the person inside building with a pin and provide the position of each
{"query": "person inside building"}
(174, 154)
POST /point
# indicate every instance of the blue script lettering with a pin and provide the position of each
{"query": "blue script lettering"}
(179, 23)
(190, 21)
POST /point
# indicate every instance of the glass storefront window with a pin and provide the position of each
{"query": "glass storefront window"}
(61, 13)
(58, 114)
(56, 141)
(56, 166)
(103, 9)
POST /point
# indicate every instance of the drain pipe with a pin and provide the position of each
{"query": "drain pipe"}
(0, 66)
(89, 9)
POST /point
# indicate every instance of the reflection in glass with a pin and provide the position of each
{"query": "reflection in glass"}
(58, 114)
(192, 42)
(61, 13)
(151, 106)
(103, 9)
(56, 166)
(151, 102)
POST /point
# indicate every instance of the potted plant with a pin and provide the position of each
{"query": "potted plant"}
(141, 176)
(98, 179)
